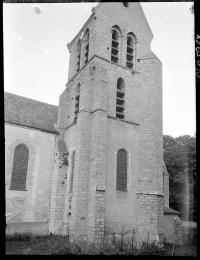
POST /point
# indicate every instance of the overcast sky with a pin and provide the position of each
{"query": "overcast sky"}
(36, 57)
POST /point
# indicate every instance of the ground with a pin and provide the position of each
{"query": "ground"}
(60, 245)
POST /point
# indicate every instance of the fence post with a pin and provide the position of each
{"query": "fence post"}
(148, 241)
(132, 240)
(122, 238)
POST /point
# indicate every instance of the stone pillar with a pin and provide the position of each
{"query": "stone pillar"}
(149, 216)
(96, 200)
(96, 204)
(58, 188)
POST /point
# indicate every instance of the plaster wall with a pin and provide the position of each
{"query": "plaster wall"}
(33, 204)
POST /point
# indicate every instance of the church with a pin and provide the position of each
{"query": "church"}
(93, 166)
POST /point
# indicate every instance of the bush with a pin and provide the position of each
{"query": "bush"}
(190, 235)
(61, 245)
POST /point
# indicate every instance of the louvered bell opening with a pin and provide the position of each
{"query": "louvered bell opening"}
(114, 58)
(114, 52)
(129, 50)
(129, 57)
(121, 180)
(129, 65)
(120, 101)
(78, 65)
(119, 115)
(120, 94)
(119, 109)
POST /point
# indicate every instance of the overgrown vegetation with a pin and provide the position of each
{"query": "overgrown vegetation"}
(180, 160)
(24, 244)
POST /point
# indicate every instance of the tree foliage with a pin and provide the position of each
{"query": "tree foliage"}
(192, 9)
(180, 160)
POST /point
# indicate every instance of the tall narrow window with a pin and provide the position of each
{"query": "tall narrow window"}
(130, 51)
(78, 56)
(77, 98)
(115, 46)
(120, 101)
(72, 172)
(86, 46)
(20, 167)
(121, 178)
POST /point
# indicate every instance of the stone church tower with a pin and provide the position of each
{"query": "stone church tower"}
(108, 171)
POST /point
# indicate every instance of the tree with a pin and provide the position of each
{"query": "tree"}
(180, 160)
(192, 9)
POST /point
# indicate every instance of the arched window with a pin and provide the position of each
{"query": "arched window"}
(116, 32)
(122, 165)
(72, 172)
(86, 46)
(78, 51)
(20, 167)
(130, 51)
(120, 101)
(77, 98)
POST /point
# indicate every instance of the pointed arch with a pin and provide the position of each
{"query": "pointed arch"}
(20, 166)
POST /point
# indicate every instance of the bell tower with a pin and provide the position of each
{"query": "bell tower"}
(111, 119)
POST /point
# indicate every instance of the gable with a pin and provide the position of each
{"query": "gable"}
(28, 112)
(132, 17)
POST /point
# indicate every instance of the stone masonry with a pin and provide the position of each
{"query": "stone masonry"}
(97, 134)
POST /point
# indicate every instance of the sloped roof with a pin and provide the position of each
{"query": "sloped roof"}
(28, 112)
(148, 55)
(167, 210)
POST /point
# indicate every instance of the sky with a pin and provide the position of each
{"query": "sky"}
(36, 57)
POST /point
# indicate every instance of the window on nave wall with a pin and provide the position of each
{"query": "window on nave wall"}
(20, 166)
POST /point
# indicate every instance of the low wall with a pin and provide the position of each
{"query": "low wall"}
(36, 228)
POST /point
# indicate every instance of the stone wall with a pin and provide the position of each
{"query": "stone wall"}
(36, 228)
(99, 134)
(32, 205)
(173, 228)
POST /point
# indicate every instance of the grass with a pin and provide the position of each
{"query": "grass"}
(27, 244)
